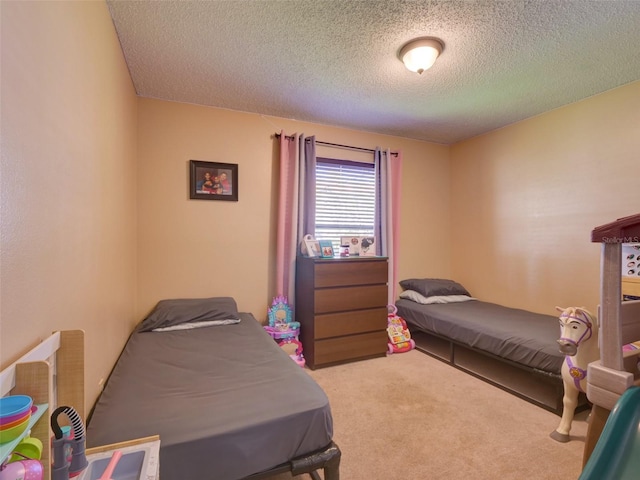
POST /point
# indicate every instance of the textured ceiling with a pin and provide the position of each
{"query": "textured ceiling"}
(335, 61)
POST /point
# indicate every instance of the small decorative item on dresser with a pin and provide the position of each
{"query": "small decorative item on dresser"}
(310, 247)
(353, 243)
(326, 248)
(367, 247)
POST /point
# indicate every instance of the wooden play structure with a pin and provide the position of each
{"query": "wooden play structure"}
(52, 373)
(617, 370)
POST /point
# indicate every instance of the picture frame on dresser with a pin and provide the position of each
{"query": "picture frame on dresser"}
(312, 247)
(353, 243)
(367, 246)
(326, 249)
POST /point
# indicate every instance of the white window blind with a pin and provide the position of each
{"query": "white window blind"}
(345, 199)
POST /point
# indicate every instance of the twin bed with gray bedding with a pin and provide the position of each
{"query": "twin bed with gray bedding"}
(226, 401)
(513, 349)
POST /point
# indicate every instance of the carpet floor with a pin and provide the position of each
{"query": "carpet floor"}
(410, 416)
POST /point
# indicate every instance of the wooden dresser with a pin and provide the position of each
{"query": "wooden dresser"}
(341, 304)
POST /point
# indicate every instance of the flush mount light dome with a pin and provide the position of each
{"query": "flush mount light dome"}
(420, 54)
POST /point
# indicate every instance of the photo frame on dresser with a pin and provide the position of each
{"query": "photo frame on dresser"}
(360, 246)
(367, 246)
(353, 243)
(310, 247)
(326, 249)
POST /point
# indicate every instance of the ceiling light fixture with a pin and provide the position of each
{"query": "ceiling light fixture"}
(420, 54)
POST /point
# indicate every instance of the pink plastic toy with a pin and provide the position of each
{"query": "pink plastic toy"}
(283, 329)
(22, 470)
(108, 473)
(297, 356)
(399, 336)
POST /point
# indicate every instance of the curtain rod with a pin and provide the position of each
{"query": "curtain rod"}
(338, 145)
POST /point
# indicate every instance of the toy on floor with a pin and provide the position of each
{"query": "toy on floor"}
(399, 336)
(579, 342)
(67, 445)
(284, 330)
(293, 347)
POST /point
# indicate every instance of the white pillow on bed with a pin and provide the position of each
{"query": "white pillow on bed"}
(432, 287)
(419, 298)
(179, 311)
(189, 326)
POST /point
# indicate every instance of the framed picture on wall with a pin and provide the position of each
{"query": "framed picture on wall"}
(213, 181)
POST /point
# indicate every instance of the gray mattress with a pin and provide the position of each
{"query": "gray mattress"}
(226, 401)
(526, 338)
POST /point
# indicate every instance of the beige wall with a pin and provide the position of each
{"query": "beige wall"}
(193, 248)
(96, 223)
(68, 213)
(525, 199)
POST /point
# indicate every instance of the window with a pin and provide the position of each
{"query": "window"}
(345, 199)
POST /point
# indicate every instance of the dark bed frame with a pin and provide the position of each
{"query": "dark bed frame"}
(536, 386)
(326, 459)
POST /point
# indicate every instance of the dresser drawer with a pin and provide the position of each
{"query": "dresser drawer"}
(349, 323)
(350, 298)
(351, 347)
(357, 272)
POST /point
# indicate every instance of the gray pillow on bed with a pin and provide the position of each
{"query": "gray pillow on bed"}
(168, 313)
(432, 287)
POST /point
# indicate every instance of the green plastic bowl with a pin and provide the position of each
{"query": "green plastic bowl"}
(29, 447)
(14, 432)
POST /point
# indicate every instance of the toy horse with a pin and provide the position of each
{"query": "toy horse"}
(579, 342)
